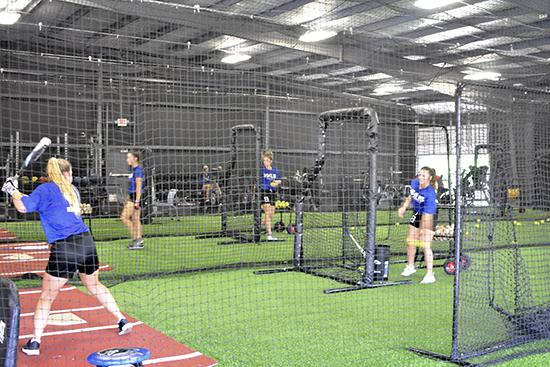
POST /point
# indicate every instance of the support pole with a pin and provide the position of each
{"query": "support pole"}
(257, 207)
(372, 131)
(98, 154)
(66, 146)
(298, 236)
(17, 150)
(12, 165)
(267, 120)
(458, 219)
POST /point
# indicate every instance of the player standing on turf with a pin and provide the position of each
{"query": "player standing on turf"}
(72, 246)
(422, 223)
(131, 213)
(208, 185)
(270, 181)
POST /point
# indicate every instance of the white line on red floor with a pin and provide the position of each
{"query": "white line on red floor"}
(67, 310)
(83, 330)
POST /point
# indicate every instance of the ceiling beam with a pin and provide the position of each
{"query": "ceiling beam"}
(542, 6)
(262, 30)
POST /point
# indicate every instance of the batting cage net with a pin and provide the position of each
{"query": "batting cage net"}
(505, 232)
(253, 177)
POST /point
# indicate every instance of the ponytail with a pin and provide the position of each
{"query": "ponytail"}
(136, 154)
(56, 168)
(432, 173)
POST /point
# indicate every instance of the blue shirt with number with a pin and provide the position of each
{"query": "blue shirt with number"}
(424, 200)
(59, 220)
(269, 175)
(137, 172)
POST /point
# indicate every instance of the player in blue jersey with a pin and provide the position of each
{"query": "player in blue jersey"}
(208, 185)
(270, 181)
(423, 221)
(131, 212)
(72, 247)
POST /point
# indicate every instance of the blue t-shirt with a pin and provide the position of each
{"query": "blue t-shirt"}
(424, 200)
(269, 175)
(137, 172)
(58, 219)
(205, 179)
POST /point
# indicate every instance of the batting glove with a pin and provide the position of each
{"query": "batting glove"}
(10, 186)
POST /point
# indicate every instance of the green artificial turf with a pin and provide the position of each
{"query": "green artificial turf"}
(285, 319)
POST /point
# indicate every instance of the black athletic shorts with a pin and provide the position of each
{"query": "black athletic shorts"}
(268, 197)
(76, 252)
(417, 217)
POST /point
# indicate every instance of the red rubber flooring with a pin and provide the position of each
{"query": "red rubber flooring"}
(93, 328)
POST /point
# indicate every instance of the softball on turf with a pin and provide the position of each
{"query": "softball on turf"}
(397, 224)
(476, 225)
(478, 220)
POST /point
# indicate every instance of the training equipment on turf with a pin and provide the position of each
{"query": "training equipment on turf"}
(345, 136)
(501, 255)
(240, 203)
(211, 83)
(241, 212)
(119, 357)
(280, 225)
(449, 266)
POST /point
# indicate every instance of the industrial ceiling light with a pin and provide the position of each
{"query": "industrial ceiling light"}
(482, 75)
(9, 17)
(415, 57)
(432, 4)
(388, 89)
(316, 36)
(10, 11)
(236, 58)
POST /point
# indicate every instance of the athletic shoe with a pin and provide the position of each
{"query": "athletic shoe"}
(272, 238)
(32, 348)
(124, 327)
(408, 271)
(428, 279)
(137, 245)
